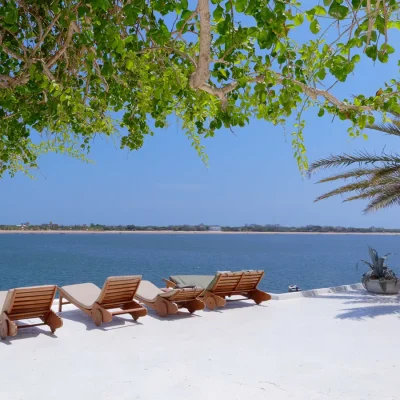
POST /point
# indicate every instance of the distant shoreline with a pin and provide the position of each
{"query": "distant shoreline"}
(70, 232)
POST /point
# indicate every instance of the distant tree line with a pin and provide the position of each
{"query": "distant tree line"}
(196, 228)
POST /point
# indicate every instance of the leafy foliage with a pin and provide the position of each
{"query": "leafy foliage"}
(72, 69)
(379, 270)
(376, 178)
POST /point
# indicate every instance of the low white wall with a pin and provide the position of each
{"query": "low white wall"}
(315, 292)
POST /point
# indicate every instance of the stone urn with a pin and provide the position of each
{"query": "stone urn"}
(373, 285)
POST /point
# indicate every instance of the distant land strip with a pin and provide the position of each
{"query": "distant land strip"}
(201, 228)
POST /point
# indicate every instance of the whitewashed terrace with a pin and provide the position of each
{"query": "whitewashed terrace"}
(339, 343)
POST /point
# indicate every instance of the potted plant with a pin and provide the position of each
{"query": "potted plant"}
(380, 279)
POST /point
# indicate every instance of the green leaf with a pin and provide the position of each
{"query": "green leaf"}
(327, 2)
(387, 48)
(394, 24)
(321, 112)
(315, 27)
(383, 57)
(184, 4)
(241, 5)
(218, 13)
(11, 16)
(338, 11)
(321, 74)
(319, 10)
(371, 52)
(298, 19)
(129, 65)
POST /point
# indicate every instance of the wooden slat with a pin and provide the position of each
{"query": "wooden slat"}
(229, 279)
(32, 303)
(29, 310)
(26, 315)
(113, 305)
(20, 299)
(49, 289)
(122, 287)
(251, 278)
(123, 283)
(118, 298)
(123, 290)
(119, 293)
(31, 325)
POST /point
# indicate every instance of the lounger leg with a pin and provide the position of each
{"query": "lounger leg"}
(53, 321)
(136, 314)
(60, 304)
(3, 329)
(212, 300)
(7, 327)
(259, 296)
(100, 314)
(165, 307)
(194, 305)
(172, 308)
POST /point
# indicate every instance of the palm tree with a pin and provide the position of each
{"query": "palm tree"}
(376, 177)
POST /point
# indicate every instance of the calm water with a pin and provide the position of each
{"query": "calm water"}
(309, 261)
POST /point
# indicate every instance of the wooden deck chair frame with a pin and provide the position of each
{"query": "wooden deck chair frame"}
(226, 284)
(117, 295)
(29, 303)
(172, 302)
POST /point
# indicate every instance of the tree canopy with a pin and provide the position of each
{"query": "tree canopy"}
(71, 69)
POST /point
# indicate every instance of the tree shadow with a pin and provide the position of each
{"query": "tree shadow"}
(364, 313)
(376, 305)
(364, 298)
(82, 318)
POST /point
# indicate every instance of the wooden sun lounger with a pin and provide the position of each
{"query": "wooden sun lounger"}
(26, 303)
(117, 295)
(226, 284)
(167, 302)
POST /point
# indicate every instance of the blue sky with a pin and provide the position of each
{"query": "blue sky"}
(252, 177)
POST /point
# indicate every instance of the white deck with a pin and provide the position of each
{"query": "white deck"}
(335, 345)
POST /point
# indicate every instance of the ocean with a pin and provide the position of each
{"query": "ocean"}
(310, 261)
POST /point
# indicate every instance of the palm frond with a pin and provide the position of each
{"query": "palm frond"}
(391, 128)
(354, 173)
(376, 172)
(390, 196)
(351, 187)
(345, 160)
(377, 177)
(365, 194)
(387, 170)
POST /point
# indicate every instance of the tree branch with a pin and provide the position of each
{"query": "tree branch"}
(11, 53)
(202, 73)
(71, 30)
(47, 31)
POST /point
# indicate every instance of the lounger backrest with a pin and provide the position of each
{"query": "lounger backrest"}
(187, 294)
(118, 290)
(249, 281)
(30, 302)
(227, 283)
